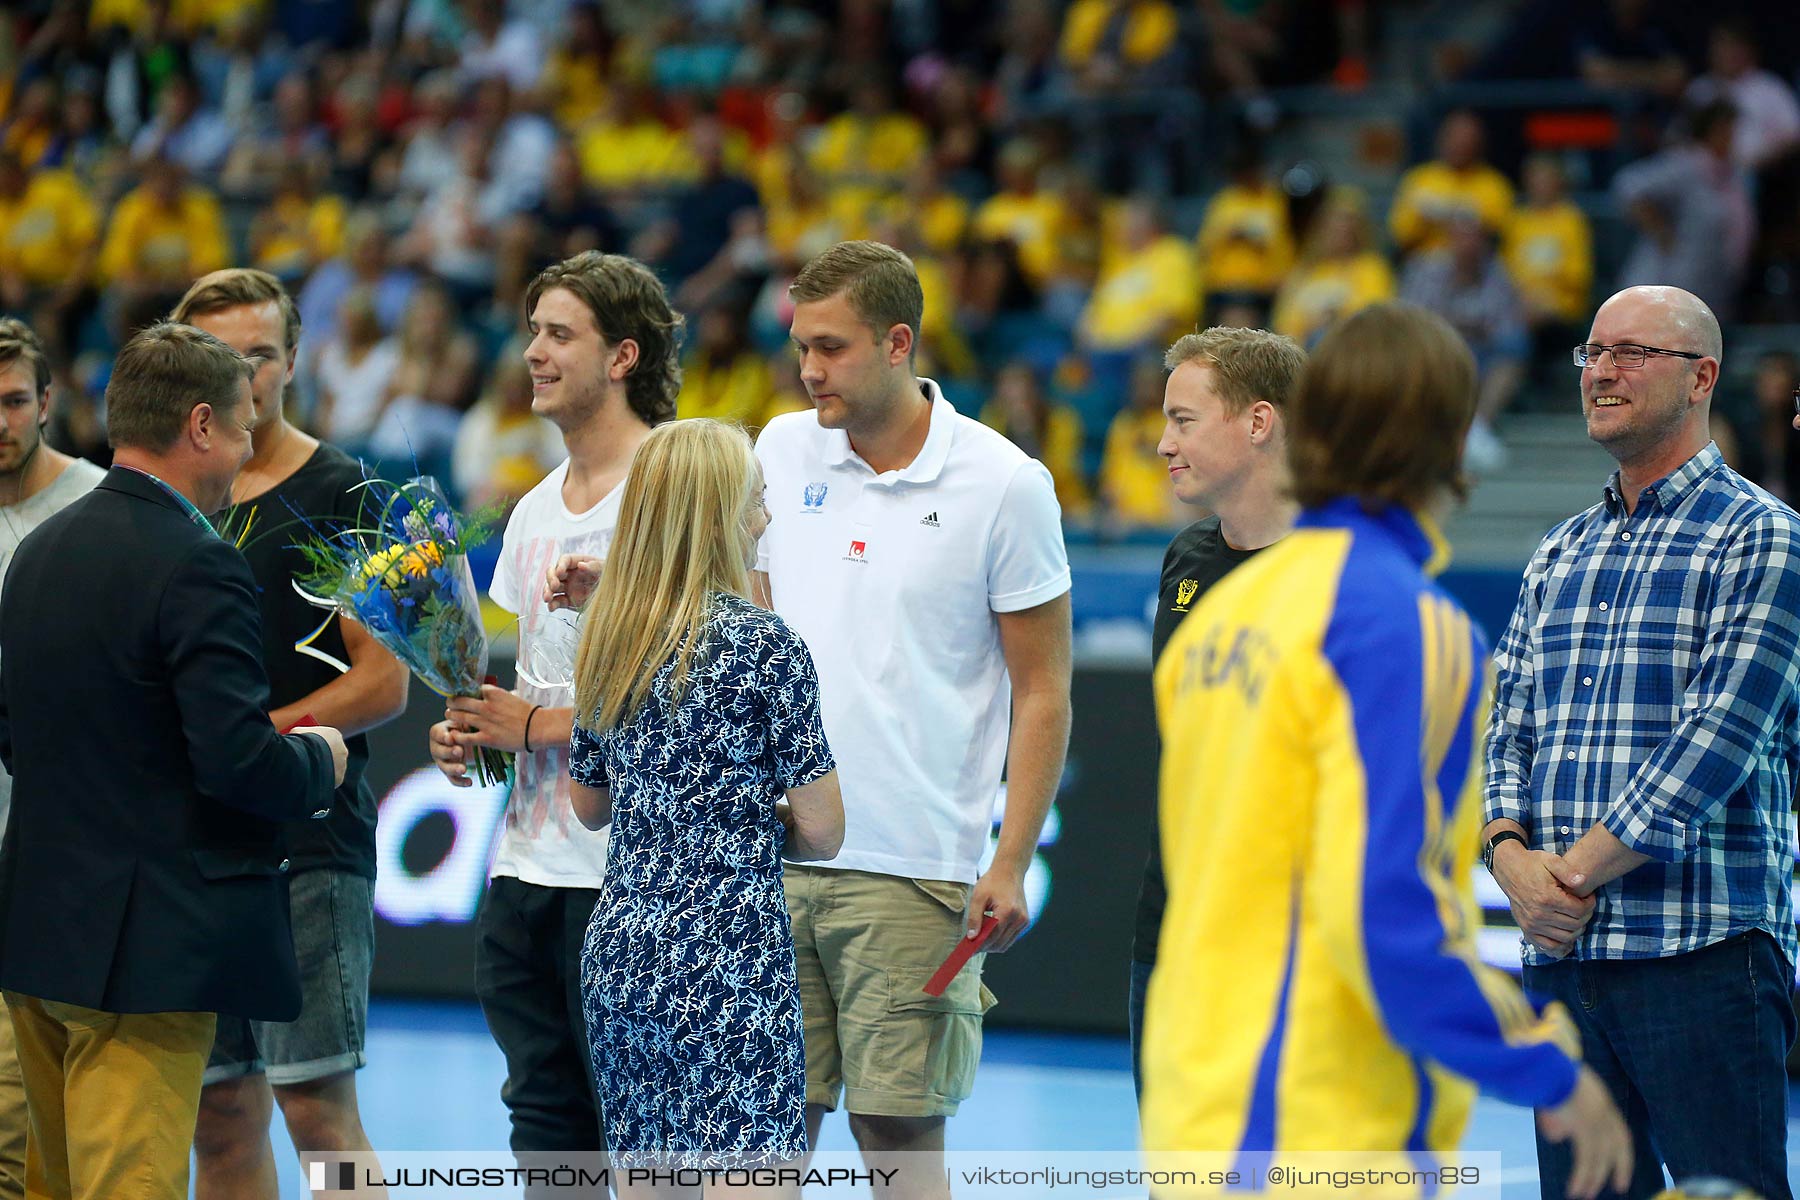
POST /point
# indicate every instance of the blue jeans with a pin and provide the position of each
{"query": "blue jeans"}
(1694, 1051)
(334, 939)
(1140, 985)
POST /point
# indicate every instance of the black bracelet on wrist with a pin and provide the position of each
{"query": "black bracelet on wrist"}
(528, 716)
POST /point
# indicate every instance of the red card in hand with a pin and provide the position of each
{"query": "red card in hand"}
(305, 720)
(965, 950)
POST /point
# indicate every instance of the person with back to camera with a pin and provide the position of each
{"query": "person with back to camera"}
(143, 883)
(695, 712)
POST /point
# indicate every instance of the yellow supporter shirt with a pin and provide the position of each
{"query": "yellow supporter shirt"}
(943, 347)
(940, 221)
(1317, 985)
(797, 232)
(854, 207)
(1150, 29)
(770, 171)
(48, 228)
(858, 146)
(197, 15)
(1032, 223)
(1550, 253)
(615, 157)
(1329, 290)
(185, 16)
(1088, 238)
(302, 234)
(1112, 230)
(1060, 454)
(1246, 240)
(576, 85)
(801, 231)
(1141, 297)
(171, 246)
(1431, 194)
(736, 391)
(1133, 476)
(125, 14)
(27, 143)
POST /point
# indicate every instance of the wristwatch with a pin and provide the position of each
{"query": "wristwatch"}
(1493, 843)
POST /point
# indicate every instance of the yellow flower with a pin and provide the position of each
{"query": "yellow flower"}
(399, 561)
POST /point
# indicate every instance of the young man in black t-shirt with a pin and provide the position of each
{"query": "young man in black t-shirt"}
(1223, 405)
(307, 1066)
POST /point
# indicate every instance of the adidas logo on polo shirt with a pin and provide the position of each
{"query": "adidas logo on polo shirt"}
(931, 520)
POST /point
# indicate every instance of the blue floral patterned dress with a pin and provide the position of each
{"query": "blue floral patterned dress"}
(687, 977)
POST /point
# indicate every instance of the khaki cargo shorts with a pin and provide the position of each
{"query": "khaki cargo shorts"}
(865, 945)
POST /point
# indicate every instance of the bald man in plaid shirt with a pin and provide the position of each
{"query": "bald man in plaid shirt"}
(1642, 765)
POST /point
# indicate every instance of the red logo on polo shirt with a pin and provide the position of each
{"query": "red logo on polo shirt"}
(857, 549)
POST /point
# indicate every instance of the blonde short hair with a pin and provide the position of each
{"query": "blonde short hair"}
(1248, 364)
(880, 282)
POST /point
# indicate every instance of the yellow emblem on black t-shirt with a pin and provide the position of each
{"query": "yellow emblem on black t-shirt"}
(1184, 593)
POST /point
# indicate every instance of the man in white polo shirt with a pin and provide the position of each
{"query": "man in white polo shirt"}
(920, 555)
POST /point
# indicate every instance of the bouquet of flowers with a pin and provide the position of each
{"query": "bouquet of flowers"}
(403, 575)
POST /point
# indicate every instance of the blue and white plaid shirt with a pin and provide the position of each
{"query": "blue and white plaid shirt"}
(1650, 681)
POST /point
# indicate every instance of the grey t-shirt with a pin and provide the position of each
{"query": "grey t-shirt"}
(17, 520)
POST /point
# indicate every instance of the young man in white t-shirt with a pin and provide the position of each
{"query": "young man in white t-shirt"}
(604, 370)
(920, 556)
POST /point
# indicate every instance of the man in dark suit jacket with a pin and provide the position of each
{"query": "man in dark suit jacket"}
(142, 886)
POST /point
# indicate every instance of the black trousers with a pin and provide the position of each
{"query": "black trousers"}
(528, 980)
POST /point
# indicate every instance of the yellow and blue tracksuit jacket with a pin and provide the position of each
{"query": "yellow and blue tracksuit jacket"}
(1317, 986)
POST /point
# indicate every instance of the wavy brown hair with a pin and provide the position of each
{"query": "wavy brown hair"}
(19, 343)
(1382, 409)
(628, 302)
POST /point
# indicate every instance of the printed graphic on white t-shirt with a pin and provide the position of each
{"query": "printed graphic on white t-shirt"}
(541, 840)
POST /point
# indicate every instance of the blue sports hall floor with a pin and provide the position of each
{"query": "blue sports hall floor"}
(433, 1083)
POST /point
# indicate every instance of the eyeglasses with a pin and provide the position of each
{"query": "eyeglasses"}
(1625, 356)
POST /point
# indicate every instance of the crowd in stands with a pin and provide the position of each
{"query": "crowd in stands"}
(408, 165)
